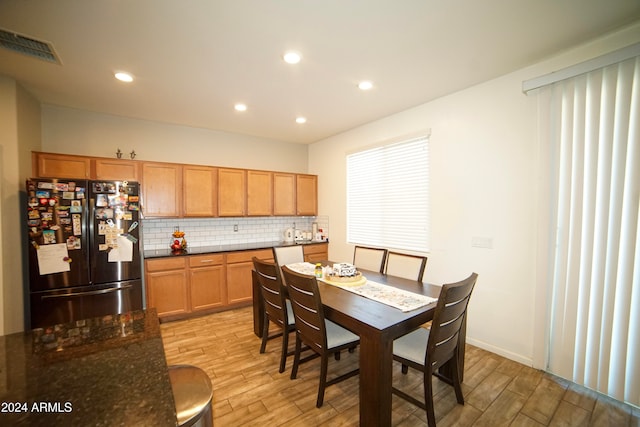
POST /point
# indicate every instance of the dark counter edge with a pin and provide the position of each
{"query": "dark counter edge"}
(202, 250)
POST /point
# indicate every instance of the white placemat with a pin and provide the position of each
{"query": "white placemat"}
(389, 295)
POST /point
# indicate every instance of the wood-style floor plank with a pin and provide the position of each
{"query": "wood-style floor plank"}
(249, 390)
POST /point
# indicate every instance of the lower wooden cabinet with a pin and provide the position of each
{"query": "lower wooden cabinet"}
(207, 281)
(182, 286)
(316, 252)
(239, 279)
(167, 288)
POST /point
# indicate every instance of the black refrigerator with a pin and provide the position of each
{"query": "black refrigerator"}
(84, 249)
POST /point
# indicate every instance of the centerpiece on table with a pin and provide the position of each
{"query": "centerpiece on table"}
(345, 274)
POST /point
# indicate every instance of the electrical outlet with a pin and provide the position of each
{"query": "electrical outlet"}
(235, 227)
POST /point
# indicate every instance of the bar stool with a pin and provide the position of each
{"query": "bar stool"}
(192, 392)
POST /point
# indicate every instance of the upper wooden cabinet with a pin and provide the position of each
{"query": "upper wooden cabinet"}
(116, 169)
(259, 193)
(48, 165)
(181, 190)
(307, 195)
(284, 194)
(232, 184)
(200, 191)
(161, 189)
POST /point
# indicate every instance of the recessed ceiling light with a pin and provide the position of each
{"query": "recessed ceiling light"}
(301, 120)
(124, 77)
(365, 85)
(292, 57)
(240, 107)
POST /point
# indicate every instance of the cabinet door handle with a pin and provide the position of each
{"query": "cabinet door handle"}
(86, 293)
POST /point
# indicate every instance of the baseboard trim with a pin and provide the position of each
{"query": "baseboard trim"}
(528, 361)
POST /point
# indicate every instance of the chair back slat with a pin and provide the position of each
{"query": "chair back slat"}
(404, 265)
(272, 291)
(448, 318)
(369, 258)
(307, 308)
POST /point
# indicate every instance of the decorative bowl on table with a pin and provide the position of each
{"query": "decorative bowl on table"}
(345, 274)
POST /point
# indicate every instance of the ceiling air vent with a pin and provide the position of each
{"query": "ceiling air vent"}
(28, 46)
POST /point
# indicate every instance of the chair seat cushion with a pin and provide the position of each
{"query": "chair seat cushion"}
(337, 335)
(412, 346)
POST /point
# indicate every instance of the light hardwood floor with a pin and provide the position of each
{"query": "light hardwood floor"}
(248, 390)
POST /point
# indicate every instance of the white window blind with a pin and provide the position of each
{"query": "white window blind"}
(595, 271)
(388, 196)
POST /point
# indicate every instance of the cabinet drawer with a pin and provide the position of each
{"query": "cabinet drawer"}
(205, 260)
(314, 249)
(164, 264)
(246, 256)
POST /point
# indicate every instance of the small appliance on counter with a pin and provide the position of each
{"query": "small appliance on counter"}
(84, 249)
(288, 235)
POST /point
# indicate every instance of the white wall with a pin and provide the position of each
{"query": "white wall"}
(19, 134)
(71, 131)
(484, 183)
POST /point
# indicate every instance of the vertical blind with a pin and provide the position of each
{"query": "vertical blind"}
(595, 264)
(388, 196)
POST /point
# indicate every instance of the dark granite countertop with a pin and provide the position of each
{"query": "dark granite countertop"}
(200, 250)
(107, 371)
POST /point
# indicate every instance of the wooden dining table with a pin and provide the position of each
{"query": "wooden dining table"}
(378, 325)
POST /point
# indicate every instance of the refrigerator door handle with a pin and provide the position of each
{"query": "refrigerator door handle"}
(98, 292)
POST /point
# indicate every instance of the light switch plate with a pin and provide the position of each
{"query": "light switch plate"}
(482, 242)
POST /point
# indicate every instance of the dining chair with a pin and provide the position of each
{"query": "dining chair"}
(277, 309)
(368, 258)
(427, 350)
(404, 265)
(322, 336)
(284, 255)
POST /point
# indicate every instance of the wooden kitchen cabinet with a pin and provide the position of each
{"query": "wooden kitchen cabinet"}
(116, 170)
(161, 189)
(174, 190)
(200, 191)
(232, 184)
(307, 195)
(316, 252)
(166, 284)
(284, 194)
(239, 277)
(49, 165)
(207, 282)
(259, 193)
(184, 286)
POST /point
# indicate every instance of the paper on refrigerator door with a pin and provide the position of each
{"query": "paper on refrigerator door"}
(122, 252)
(53, 258)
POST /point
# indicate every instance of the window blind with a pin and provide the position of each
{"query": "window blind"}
(388, 196)
(595, 271)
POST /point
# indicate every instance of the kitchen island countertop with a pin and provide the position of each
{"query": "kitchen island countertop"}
(106, 371)
(201, 250)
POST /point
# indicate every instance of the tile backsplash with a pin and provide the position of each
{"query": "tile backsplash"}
(220, 231)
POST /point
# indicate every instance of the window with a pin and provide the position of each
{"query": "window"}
(388, 196)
